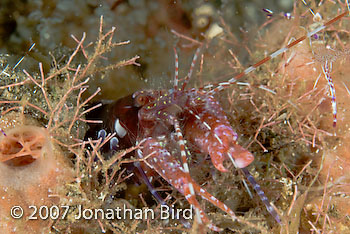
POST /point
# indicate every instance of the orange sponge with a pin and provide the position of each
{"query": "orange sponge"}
(32, 172)
(22, 146)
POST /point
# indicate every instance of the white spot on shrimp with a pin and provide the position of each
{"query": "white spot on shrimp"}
(206, 125)
(191, 188)
(269, 208)
(217, 137)
(186, 169)
(121, 132)
(162, 137)
(198, 216)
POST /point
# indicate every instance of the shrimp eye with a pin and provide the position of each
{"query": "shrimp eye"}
(141, 100)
